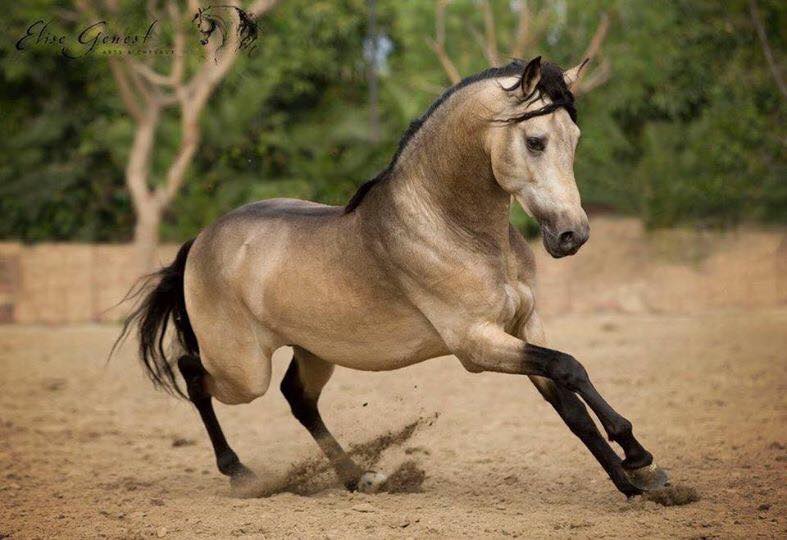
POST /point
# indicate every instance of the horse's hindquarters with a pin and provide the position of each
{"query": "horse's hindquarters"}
(234, 353)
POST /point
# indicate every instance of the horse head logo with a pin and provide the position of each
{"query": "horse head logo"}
(213, 22)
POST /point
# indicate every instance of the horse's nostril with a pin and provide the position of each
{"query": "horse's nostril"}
(567, 237)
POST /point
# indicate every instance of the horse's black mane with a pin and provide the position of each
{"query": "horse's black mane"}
(551, 85)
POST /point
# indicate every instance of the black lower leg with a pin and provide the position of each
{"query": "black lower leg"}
(569, 374)
(305, 410)
(576, 417)
(618, 429)
(194, 374)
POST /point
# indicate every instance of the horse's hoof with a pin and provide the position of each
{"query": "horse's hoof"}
(242, 477)
(648, 478)
(371, 482)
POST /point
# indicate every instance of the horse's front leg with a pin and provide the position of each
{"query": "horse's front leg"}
(487, 347)
(574, 413)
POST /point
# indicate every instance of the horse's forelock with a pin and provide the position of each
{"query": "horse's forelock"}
(551, 85)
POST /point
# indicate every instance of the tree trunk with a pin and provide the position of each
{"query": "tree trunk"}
(145, 94)
(146, 239)
(146, 208)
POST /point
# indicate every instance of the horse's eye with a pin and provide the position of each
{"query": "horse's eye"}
(535, 144)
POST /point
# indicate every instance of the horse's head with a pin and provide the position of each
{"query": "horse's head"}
(532, 153)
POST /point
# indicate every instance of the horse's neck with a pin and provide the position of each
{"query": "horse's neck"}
(445, 178)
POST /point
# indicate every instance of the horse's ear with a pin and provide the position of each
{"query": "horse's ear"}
(530, 77)
(571, 76)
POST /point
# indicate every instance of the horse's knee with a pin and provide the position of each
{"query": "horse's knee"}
(568, 372)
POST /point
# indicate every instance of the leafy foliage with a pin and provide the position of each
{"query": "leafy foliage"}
(689, 128)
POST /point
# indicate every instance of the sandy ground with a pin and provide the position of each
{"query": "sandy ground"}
(91, 450)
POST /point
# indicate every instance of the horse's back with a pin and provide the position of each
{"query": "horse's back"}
(284, 208)
(260, 226)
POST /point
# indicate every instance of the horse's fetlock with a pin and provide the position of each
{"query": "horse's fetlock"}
(227, 462)
(622, 430)
(626, 427)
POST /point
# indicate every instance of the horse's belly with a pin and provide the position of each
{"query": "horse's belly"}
(373, 349)
(373, 336)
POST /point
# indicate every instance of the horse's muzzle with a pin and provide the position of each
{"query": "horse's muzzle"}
(565, 242)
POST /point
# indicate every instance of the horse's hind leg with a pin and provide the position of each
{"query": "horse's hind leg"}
(301, 386)
(227, 460)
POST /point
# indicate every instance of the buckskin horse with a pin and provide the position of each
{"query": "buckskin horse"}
(422, 262)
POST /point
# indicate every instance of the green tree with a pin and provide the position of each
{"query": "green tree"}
(688, 128)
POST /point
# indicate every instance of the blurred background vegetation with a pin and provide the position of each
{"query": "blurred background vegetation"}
(689, 127)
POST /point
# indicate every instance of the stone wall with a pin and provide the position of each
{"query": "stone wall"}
(66, 283)
(621, 269)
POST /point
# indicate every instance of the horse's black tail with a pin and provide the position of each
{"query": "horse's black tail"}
(162, 300)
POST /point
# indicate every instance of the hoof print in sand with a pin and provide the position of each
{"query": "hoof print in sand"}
(677, 495)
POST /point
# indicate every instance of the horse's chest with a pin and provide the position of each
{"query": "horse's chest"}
(517, 305)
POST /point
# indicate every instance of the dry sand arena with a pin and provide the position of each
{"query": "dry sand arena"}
(91, 450)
